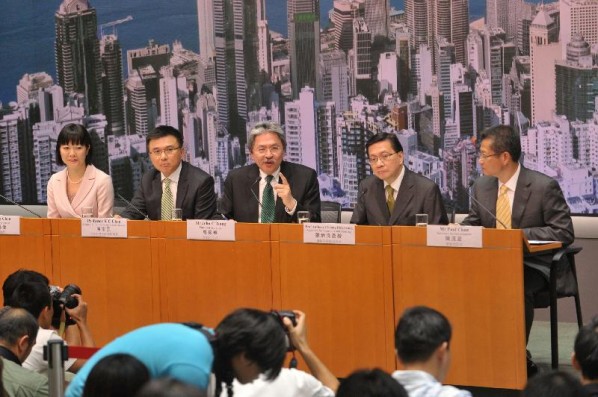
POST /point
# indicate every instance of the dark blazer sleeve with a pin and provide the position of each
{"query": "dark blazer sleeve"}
(205, 200)
(360, 216)
(434, 207)
(226, 201)
(310, 200)
(557, 223)
(139, 200)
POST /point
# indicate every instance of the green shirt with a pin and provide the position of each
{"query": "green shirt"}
(21, 382)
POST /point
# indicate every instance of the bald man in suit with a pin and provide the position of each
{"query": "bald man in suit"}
(393, 195)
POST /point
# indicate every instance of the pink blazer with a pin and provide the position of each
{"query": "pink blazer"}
(96, 191)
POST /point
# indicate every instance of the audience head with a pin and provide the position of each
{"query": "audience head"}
(267, 145)
(169, 387)
(18, 330)
(385, 154)
(36, 299)
(75, 135)
(17, 278)
(585, 353)
(117, 375)
(165, 148)
(422, 337)
(553, 384)
(248, 342)
(370, 383)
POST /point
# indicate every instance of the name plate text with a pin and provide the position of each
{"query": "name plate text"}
(454, 236)
(202, 229)
(328, 233)
(10, 225)
(104, 227)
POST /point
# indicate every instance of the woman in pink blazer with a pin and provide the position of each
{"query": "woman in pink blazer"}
(80, 184)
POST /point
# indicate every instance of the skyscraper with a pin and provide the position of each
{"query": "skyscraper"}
(335, 79)
(581, 17)
(112, 84)
(237, 65)
(77, 50)
(205, 22)
(303, 18)
(545, 49)
(343, 14)
(376, 17)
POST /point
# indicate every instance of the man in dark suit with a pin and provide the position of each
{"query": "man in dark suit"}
(532, 201)
(393, 195)
(271, 189)
(173, 183)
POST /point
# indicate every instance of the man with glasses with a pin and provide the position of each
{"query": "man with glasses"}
(514, 197)
(393, 195)
(173, 183)
(271, 190)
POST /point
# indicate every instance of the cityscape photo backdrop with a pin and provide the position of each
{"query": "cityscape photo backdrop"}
(332, 72)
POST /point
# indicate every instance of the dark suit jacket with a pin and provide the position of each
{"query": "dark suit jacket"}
(539, 208)
(417, 195)
(241, 193)
(195, 195)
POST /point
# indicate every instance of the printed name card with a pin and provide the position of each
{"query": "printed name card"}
(201, 229)
(10, 224)
(454, 236)
(104, 227)
(328, 233)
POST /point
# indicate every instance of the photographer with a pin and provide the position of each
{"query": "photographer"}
(247, 352)
(30, 291)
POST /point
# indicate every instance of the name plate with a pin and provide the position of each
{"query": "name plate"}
(329, 233)
(202, 229)
(104, 227)
(10, 225)
(454, 236)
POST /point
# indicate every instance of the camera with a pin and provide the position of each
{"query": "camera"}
(63, 299)
(280, 314)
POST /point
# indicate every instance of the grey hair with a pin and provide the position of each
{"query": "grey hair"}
(264, 128)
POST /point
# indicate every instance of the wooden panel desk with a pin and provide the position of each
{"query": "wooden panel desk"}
(479, 290)
(117, 276)
(204, 280)
(346, 292)
(31, 250)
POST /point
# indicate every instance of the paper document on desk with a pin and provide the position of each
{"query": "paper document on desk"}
(541, 242)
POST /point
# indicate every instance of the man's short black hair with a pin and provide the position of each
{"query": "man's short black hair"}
(19, 277)
(421, 330)
(586, 349)
(370, 383)
(504, 139)
(73, 134)
(553, 384)
(162, 131)
(31, 296)
(384, 136)
(258, 335)
(116, 375)
(16, 323)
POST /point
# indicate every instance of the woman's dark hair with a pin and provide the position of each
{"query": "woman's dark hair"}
(255, 333)
(553, 384)
(74, 134)
(116, 375)
(370, 383)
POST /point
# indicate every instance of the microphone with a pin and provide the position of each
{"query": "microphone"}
(219, 210)
(20, 206)
(482, 206)
(253, 193)
(129, 204)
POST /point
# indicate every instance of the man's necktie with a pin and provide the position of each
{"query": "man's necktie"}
(390, 198)
(268, 204)
(503, 209)
(167, 202)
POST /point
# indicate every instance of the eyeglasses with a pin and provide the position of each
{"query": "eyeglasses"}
(485, 157)
(273, 149)
(383, 157)
(167, 151)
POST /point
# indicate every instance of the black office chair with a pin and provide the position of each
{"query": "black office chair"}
(563, 284)
(330, 212)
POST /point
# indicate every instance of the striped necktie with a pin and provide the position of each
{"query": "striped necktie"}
(390, 198)
(167, 202)
(268, 204)
(503, 209)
